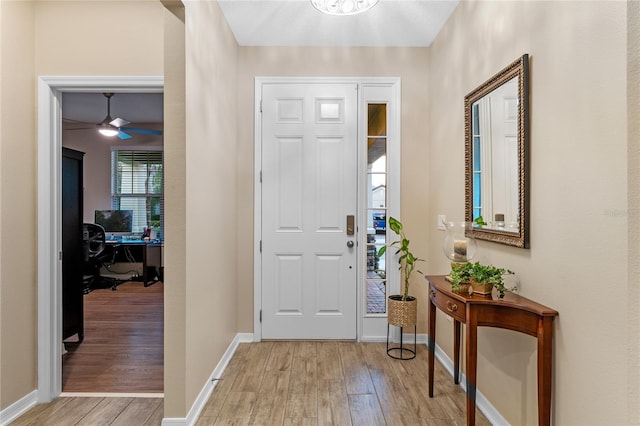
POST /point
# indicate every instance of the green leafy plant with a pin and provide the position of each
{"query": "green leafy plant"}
(480, 221)
(406, 259)
(482, 274)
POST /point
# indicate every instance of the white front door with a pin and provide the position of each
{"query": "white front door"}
(309, 181)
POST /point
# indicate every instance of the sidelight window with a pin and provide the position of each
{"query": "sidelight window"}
(376, 207)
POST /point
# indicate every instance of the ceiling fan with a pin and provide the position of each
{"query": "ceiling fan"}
(117, 127)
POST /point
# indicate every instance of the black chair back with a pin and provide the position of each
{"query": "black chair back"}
(94, 240)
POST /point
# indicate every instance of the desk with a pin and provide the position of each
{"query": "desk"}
(151, 253)
(513, 312)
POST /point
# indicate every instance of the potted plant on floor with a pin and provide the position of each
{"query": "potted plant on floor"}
(402, 311)
(482, 278)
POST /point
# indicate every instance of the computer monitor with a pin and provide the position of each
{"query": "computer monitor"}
(115, 222)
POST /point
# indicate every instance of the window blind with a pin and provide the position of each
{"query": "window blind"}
(137, 183)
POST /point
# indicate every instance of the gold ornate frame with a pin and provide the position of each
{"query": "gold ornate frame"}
(519, 68)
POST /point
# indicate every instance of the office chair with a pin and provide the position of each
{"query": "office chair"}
(96, 255)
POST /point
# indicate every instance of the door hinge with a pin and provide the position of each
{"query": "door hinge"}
(260, 176)
(260, 315)
(260, 246)
(60, 255)
(260, 105)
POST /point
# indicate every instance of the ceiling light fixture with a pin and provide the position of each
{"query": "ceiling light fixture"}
(107, 129)
(104, 127)
(343, 7)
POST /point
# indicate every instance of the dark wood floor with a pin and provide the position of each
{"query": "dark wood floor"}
(123, 350)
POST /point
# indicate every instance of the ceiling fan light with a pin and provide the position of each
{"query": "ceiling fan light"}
(106, 129)
(108, 132)
(343, 7)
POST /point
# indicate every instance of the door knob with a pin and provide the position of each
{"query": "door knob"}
(350, 244)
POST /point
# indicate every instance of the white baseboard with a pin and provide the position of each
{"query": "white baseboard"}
(483, 404)
(205, 393)
(18, 408)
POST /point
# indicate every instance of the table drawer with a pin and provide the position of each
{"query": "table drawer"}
(448, 305)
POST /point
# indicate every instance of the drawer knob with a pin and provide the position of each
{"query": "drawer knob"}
(451, 307)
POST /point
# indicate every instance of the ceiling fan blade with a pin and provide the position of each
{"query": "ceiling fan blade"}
(119, 122)
(122, 135)
(143, 131)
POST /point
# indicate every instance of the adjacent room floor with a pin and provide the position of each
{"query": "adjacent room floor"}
(123, 347)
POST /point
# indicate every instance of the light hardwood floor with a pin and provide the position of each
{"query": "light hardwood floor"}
(331, 383)
(294, 383)
(95, 411)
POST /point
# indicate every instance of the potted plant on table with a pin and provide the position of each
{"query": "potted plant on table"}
(482, 278)
(402, 307)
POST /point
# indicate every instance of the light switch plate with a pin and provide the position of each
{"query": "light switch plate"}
(441, 222)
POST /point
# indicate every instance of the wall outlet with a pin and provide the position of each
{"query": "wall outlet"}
(441, 222)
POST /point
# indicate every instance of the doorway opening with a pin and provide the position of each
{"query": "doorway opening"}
(120, 310)
(50, 129)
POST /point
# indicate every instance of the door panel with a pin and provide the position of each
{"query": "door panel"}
(309, 170)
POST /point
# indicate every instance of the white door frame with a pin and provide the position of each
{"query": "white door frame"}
(50, 89)
(393, 184)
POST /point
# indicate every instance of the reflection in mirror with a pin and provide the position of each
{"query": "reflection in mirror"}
(496, 121)
(495, 158)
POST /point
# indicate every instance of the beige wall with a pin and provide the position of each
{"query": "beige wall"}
(50, 38)
(633, 150)
(72, 38)
(175, 309)
(211, 210)
(408, 63)
(17, 190)
(578, 260)
(99, 37)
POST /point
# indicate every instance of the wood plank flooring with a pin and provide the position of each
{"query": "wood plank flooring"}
(267, 383)
(331, 383)
(294, 383)
(123, 347)
(95, 411)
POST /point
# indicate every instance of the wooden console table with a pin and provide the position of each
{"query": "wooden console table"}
(513, 312)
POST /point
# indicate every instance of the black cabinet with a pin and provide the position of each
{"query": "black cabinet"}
(72, 251)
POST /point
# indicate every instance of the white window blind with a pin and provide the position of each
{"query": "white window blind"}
(137, 183)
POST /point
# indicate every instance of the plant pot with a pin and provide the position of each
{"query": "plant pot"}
(402, 314)
(481, 288)
(463, 288)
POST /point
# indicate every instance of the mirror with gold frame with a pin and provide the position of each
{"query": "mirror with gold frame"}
(496, 125)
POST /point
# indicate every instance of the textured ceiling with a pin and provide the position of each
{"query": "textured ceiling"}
(392, 23)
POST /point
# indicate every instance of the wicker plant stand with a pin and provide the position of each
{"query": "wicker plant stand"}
(402, 314)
